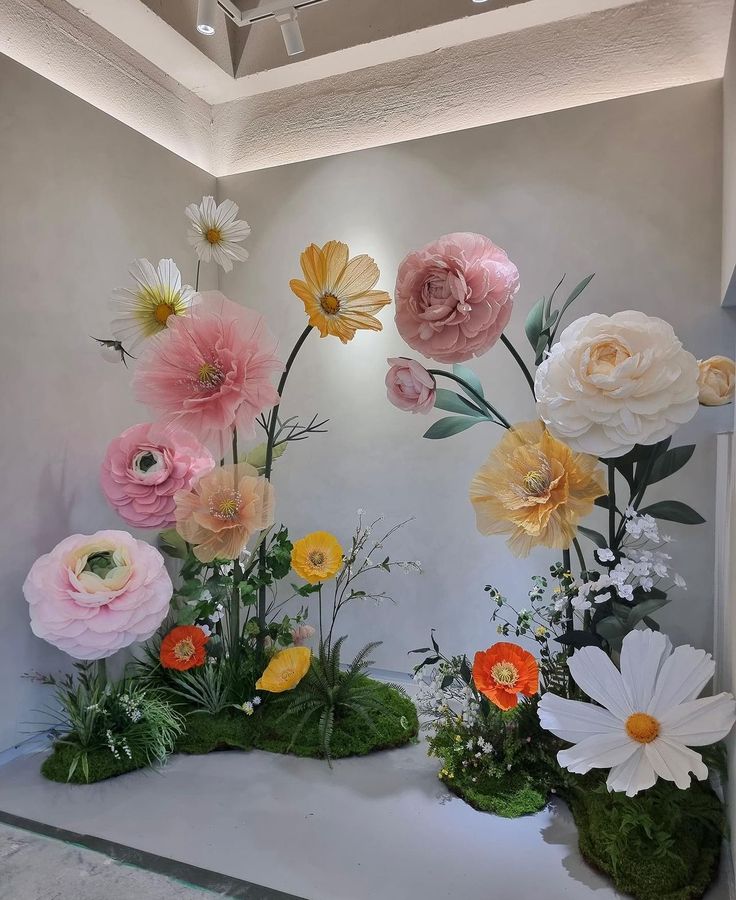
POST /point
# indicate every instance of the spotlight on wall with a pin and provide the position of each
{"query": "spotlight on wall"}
(289, 21)
(206, 13)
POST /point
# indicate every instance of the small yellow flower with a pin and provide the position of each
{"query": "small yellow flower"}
(285, 670)
(317, 557)
(337, 292)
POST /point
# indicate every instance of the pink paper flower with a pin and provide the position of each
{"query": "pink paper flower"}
(409, 385)
(95, 594)
(211, 371)
(454, 296)
(302, 633)
(145, 467)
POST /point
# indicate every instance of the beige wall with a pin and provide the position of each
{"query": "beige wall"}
(81, 196)
(728, 258)
(630, 189)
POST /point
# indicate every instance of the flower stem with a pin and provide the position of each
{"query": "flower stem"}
(612, 506)
(522, 365)
(500, 420)
(102, 671)
(272, 423)
(237, 577)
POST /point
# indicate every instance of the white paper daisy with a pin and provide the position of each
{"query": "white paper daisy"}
(216, 232)
(648, 716)
(144, 309)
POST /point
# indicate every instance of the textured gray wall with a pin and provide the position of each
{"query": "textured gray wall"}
(630, 189)
(82, 196)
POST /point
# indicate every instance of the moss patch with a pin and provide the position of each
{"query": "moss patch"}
(395, 725)
(101, 764)
(510, 797)
(664, 844)
(228, 730)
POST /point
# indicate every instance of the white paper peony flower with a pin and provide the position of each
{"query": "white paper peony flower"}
(611, 382)
(648, 717)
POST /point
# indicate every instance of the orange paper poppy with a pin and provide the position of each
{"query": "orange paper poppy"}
(504, 671)
(183, 648)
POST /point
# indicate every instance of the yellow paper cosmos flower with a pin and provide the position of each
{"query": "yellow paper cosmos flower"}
(337, 292)
(317, 557)
(286, 670)
(534, 488)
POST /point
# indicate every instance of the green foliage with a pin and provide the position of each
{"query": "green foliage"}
(127, 721)
(327, 692)
(450, 425)
(663, 844)
(543, 322)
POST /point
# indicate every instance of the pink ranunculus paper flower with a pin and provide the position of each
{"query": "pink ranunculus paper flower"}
(145, 466)
(211, 371)
(410, 386)
(454, 297)
(95, 594)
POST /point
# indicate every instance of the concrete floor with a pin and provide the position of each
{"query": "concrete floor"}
(39, 868)
(381, 826)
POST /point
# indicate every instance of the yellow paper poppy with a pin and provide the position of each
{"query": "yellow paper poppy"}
(285, 670)
(317, 557)
(337, 292)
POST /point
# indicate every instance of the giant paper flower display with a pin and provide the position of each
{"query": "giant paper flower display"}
(535, 489)
(337, 292)
(211, 371)
(454, 296)
(216, 232)
(716, 381)
(94, 594)
(223, 510)
(648, 716)
(317, 557)
(145, 466)
(611, 382)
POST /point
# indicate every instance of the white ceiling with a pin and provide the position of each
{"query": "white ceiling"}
(374, 71)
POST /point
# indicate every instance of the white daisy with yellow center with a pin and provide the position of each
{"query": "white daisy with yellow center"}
(216, 232)
(648, 717)
(145, 309)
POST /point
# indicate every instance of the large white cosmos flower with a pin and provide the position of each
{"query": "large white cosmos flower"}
(145, 309)
(216, 232)
(648, 716)
(611, 382)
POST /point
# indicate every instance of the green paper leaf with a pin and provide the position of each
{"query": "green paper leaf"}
(452, 402)
(670, 462)
(673, 511)
(535, 322)
(594, 536)
(576, 292)
(172, 544)
(450, 425)
(642, 610)
(469, 376)
(579, 639)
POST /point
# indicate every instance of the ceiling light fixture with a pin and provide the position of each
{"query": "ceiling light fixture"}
(282, 11)
(206, 12)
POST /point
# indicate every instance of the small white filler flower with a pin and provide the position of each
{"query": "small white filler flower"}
(648, 716)
(216, 232)
(144, 309)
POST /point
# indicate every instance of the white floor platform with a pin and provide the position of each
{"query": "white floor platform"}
(383, 826)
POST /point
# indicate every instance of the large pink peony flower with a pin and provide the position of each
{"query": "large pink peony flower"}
(454, 296)
(95, 594)
(409, 385)
(211, 370)
(145, 467)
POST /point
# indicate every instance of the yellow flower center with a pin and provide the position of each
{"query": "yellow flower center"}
(642, 728)
(317, 558)
(225, 505)
(162, 312)
(505, 674)
(209, 375)
(286, 675)
(330, 304)
(606, 356)
(214, 235)
(536, 482)
(184, 649)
